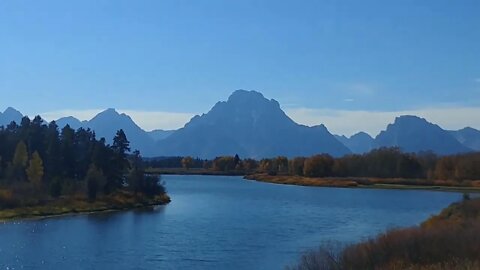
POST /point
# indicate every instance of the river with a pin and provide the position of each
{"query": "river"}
(215, 222)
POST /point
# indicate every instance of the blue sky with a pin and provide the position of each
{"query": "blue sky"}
(319, 59)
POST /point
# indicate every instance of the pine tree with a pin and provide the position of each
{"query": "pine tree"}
(95, 181)
(120, 147)
(19, 162)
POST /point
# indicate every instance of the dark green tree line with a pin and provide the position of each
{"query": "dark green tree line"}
(37, 160)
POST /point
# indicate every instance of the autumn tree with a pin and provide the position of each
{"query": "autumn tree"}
(226, 163)
(445, 168)
(266, 165)
(295, 166)
(35, 171)
(187, 162)
(249, 164)
(281, 164)
(318, 166)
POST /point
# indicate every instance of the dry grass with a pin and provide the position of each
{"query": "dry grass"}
(303, 181)
(385, 183)
(450, 240)
(79, 204)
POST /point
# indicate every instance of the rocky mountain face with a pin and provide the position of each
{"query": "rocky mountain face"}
(249, 125)
(415, 134)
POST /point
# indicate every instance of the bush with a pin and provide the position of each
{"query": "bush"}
(449, 240)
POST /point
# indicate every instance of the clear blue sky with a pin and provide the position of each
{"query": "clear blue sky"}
(183, 56)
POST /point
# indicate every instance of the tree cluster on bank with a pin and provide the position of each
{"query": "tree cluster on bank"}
(39, 162)
(379, 163)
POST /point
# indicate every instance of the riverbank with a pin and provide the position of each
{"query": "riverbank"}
(121, 200)
(447, 241)
(379, 183)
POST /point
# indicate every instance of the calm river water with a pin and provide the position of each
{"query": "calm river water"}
(215, 222)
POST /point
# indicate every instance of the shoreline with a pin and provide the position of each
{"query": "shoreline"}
(70, 207)
(361, 183)
(338, 182)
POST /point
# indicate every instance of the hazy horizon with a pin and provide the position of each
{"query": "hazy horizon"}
(341, 122)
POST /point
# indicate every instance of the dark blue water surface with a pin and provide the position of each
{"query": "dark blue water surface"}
(215, 222)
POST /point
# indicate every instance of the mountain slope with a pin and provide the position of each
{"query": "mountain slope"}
(359, 143)
(469, 137)
(414, 134)
(160, 134)
(71, 121)
(107, 123)
(249, 125)
(9, 115)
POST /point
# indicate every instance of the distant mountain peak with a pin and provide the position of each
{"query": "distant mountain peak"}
(409, 119)
(469, 137)
(358, 143)
(67, 118)
(250, 125)
(416, 134)
(322, 127)
(9, 115)
(71, 121)
(469, 129)
(253, 97)
(110, 111)
(245, 94)
(362, 135)
(11, 110)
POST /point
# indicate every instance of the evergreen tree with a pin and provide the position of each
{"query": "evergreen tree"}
(136, 176)
(52, 158)
(67, 149)
(95, 180)
(120, 147)
(19, 163)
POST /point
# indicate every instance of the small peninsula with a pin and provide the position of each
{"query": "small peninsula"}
(45, 171)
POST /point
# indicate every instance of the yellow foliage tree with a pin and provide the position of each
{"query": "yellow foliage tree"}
(20, 158)
(35, 170)
(187, 162)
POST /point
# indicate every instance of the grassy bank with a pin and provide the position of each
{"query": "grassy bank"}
(449, 240)
(382, 183)
(120, 200)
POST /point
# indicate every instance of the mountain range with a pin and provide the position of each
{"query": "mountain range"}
(250, 125)
(359, 143)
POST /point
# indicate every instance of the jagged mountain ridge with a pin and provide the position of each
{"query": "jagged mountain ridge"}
(250, 125)
(415, 134)
(358, 143)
